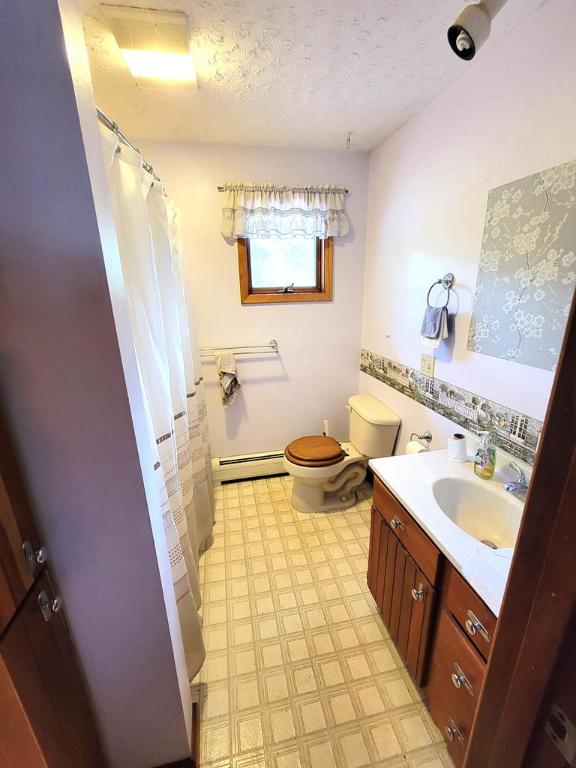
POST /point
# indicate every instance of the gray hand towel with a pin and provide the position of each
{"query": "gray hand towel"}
(434, 324)
(228, 375)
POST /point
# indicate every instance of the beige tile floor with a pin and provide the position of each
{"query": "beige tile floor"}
(300, 670)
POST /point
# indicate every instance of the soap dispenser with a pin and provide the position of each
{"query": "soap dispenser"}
(485, 458)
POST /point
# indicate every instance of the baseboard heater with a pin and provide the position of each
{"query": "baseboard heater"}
(228, 468)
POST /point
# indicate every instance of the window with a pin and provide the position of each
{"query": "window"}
(276, 270)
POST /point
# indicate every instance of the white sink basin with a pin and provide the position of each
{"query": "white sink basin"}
(481, 512)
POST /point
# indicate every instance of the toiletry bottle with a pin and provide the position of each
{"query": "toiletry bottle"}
(485, 458)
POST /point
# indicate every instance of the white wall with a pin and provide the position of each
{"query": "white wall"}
(511, 114)
(317, 370)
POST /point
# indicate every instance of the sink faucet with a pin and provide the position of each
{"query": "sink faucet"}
(518, 487)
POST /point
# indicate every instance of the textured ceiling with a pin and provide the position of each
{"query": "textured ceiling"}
(291, 73)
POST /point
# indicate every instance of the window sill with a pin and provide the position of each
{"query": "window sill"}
(284, 298)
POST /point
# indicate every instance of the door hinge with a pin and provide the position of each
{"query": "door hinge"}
(562, 733)
(33, 558)
(48, 607)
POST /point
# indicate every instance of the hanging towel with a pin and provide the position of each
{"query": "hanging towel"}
(434, 326)
(228, 375)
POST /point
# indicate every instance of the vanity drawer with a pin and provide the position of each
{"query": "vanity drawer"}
(456, 677)
(422, 548)
(453, 729)
(471, 613)
(457, 669)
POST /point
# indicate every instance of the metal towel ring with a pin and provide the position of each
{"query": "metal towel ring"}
(446, 282)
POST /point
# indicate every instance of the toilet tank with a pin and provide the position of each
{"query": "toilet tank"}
(373, 426)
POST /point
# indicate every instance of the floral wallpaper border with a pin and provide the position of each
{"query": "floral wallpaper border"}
(514, 432)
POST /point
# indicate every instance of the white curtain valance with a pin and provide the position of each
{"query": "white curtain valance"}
(264, 210)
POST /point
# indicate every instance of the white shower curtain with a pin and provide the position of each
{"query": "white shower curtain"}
(147, 231)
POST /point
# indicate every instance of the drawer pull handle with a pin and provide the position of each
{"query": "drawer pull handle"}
(452, 732)
(396, 523)
(475, 626)
(418, 594)
(459, 680)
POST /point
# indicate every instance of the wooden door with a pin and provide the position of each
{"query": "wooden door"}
(542, 751)
(404, 596)
(18, 743)
(16, 527)
(46, 719)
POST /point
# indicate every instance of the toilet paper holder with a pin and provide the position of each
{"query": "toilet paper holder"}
(426, 436)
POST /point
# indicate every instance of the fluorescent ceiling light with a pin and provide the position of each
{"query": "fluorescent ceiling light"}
(160, 65)
(154, 44)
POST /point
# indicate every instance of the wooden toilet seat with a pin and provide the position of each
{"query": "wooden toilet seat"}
(314, 451)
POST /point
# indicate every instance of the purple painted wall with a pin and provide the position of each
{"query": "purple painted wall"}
(64, 389)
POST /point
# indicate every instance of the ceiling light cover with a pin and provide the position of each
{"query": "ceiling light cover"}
(154, 44)
(159, 65)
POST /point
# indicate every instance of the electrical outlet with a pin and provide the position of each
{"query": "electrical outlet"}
(427, 365)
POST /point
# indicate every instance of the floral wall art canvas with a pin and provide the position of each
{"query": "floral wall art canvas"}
(527, 271)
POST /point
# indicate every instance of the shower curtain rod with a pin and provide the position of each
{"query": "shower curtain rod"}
(103, 117)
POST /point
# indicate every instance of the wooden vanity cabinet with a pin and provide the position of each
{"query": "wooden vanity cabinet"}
(409, 578)
(403, 567)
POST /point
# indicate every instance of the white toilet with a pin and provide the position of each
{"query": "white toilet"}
(326, 473)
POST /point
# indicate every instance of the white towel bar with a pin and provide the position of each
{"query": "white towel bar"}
(250, 349)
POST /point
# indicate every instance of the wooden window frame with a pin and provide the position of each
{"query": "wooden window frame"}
(322, 291)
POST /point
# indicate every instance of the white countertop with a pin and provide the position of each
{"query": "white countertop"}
(410, 479)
